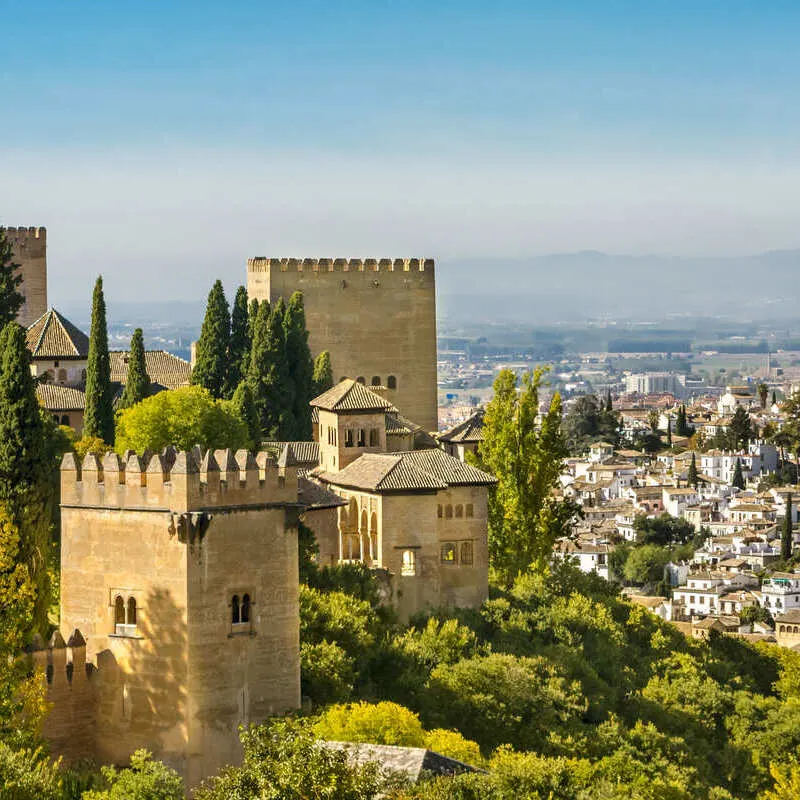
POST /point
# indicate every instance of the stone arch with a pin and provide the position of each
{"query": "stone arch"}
(391, 382)
(373, 538)
(376, 380)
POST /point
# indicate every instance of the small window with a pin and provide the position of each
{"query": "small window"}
(448, 512)
(373, 437)
(65, 419)
(466, 553)
(348, 438)
(360, 379)
(448, 553)
(131, 619)
(439, 511)
(376, 380)
(245, 608)
(62, 376)
(470, 512)
(459, 511)
(361, 438)
(119, 611)
(235, 611)
(409, 565)
(391, 382)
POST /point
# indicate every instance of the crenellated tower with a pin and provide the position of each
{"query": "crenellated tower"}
(30, 252)
(377, 317)
(180, 570)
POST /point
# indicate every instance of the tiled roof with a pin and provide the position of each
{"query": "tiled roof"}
(350, 395)
(163, 368)
(792, 616)
(294, 454)
(398, 425)
(54, 336)
(471, 430)
(313, 495)
(55, 397)
(415, 470)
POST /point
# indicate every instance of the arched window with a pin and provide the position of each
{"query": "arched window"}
(131, 618)
(65, 419)
(245, 616)
(119, 611)
(391, 382)
(235, 618)
(466, 553)
(62, 375)
(449, 554)
(459, 511)
(376, 380)
(448, 512)
(440, 511)
(361, 438)
(409, 565)
(373, 437)
(348, 438)
(360, 379)
(470, 510)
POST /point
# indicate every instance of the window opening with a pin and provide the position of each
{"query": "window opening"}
(235, 618)
(469, 510)
(448, 512)
(466, 553)
(459, 511)
(361, 438)
(245, 610)
(373, 437)
(409, 565)
(391, 382)
(448, 553)
(348, 438)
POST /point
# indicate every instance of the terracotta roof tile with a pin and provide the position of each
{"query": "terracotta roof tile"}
(55, 397)
(471, 430)
(163, 368)
(54, 336)
(350, 395)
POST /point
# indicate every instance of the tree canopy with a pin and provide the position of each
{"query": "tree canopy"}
(238, 343)
(323, 374)
(589, 421)
(137, 382)
(98, 418)
(211, 352)
(300, 368)
(11, 298)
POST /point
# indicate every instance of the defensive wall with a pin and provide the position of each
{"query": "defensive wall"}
(30, 252)
(376, 316)
(180, 571)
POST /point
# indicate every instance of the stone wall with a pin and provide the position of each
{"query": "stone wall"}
(377, 317)
(30, 252)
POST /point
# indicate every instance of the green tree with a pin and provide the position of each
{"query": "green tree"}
(787, 783)
(740, 429)
(763, 394)
(609, 404)
(524, 518)
(589, 421)
(211, 353)
(669, 433)
(284, 761)
(268, 374)
(145, 779)
(774, 398)
(738, 477)
(238, 344)
(252, 316)
(137, 383)
(663, 530)
(98, 418)
(693, 477)
(787, 545)
(183, 417)
(26, 472)
(378, 723)
(245, 408)
(645, 564)
(300, 367)
(27, 773)
(322, 379)
(11, 298)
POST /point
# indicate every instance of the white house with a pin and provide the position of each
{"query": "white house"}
(781, 592)
(588, 557)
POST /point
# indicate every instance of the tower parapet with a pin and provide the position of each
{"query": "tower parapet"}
(323, 265)
(176, 481)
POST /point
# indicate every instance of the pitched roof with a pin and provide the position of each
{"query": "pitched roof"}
(350, 395)
(415, 470)
(397, 425)
(294, 454)
(55, 397)
(54, 336)
(315, 496)
(163, 368)
(471, 430)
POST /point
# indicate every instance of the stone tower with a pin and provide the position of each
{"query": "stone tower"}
(377, 317)
(30, 252)
(181, 574)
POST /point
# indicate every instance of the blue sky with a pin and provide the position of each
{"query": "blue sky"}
(175, 139)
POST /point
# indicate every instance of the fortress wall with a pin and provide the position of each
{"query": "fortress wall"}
(30, 252)
(377, 317)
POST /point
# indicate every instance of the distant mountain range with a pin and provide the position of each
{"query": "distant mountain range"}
(576, 286)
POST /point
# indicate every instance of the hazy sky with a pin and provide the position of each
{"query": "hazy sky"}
(163, 143)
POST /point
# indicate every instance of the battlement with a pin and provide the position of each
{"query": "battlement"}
(176, 481)
(26, 233)
(325, 265)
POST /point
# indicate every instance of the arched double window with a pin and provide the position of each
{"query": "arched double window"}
(240, 609)
(125, 613)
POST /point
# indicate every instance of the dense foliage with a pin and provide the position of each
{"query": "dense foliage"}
(98, 418)
(322, 378)
(211, 352)
(183, 418)
(137, 382)
(11, 298)
(589, 421)
(300, 368)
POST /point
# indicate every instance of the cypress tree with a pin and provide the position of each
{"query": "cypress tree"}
(252, 315)
(692, 476)
(738, 477)
(11, 298)
(137, 383)
(26, 487)
(322, 379)
(211, 355)
(669, 432)
(300, 365)
(98, 419)
(245, 407)
(609, 404)
(268, 375)
(774, 397)
(786, 534)
(239, 343)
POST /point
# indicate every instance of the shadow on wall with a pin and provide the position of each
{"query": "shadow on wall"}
(145, 702)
